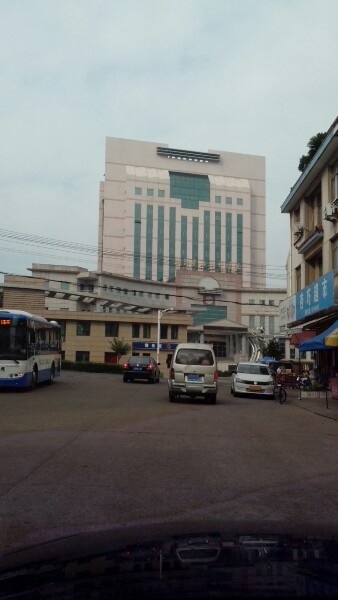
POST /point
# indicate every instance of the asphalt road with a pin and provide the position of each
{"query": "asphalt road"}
(90, 453)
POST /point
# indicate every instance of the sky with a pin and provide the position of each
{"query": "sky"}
(248, 76)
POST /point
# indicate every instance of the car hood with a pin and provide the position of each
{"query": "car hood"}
(129, 564)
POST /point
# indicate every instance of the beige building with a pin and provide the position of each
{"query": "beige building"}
(164, 209)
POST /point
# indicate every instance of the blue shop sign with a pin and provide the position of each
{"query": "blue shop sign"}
(164, 346)
(315, 297)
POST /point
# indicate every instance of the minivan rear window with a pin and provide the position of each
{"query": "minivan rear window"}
(192, 356)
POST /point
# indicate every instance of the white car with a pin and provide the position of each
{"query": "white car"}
(252, 378)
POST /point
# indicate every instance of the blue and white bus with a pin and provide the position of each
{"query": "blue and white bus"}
(30, 349)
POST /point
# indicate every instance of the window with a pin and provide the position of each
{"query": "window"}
(218, 199)
(86, 287)
(271, 303)
(163, 331)
(146, 330)
(190, 189)
(83, 328)
(334, 251)
(334, 186)
(251, 301)
(228, 200)
(82, 356)
(298, 279)
(262, 322)
(262, 302)
(111, 329)
(64, 285)
(138, 191)
(63, 325)
(150, 192)
(271, 325)
(135, 330)
(174, 332)
(252, 321)
(292, 353)
(161, 193)
(313, 268)
(239, 201)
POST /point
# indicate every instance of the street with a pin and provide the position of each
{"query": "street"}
(90, 453)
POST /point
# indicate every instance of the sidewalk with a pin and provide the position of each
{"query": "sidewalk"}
(316, 404)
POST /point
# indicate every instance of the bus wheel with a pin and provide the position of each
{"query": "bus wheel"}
(33, 380)
(51, 374)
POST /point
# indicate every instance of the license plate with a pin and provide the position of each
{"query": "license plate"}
(194, 378)
(137, 369)
(254, 388)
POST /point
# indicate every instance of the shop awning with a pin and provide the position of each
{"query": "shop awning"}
(301, 336)
(318, 342)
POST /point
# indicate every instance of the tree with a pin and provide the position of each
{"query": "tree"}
(313, 144)
(272, 348)
(119, 347)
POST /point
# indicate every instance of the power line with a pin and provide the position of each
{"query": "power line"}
(120, 258)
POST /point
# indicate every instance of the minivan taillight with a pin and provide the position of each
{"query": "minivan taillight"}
(172, 373)
(216, 376)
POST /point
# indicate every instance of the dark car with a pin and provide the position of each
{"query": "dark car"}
(141, 367)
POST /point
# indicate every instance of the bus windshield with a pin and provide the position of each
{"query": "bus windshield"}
(13, 338)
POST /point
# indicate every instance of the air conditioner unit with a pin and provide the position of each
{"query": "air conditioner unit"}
(331, 212)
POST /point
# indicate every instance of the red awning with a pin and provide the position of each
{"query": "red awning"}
(302, 336)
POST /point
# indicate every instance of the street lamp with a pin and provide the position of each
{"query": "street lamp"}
(160, 314)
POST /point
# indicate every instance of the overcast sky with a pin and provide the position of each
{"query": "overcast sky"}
(249, 76)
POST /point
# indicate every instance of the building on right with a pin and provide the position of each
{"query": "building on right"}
(311, 305)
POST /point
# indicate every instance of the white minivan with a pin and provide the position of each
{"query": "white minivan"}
(193, 372)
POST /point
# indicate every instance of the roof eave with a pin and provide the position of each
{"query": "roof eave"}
(315, 166)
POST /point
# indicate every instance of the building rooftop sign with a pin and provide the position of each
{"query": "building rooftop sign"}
(188, 155)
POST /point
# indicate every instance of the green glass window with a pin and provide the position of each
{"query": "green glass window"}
(271, 325)
(218, 199)
(83, 328)
(252, 321)
(184, 227)
(190, 189)
(194, 253)
(135, 330)
(137, 241)
(240, 241)
(149, 241)
(150, 192)
(228, 238)
(172, 241)
(239, 201)
(111, 329)
(160, 243)
(146, 330)
(206, 246)
(174, 332)
(161, 193)
(228, 200)
(218, 239)
(138, 191)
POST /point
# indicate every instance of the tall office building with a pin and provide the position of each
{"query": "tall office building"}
(163, 209)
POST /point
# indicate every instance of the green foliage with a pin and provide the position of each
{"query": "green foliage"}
(119, 347)
(313, 144)
(272, 348)
(91, 367)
